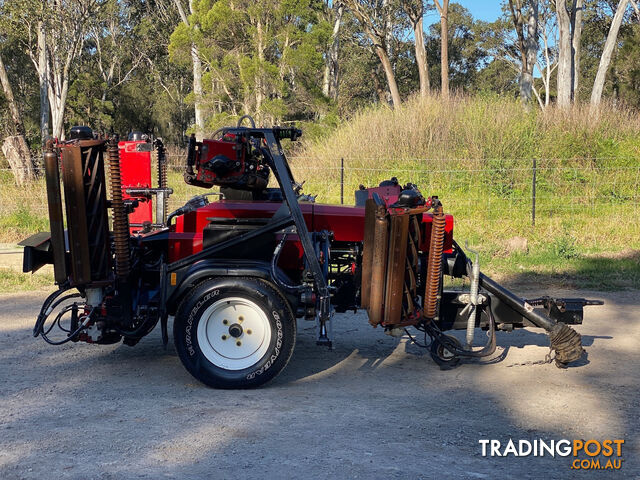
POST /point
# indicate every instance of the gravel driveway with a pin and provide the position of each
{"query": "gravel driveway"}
(375, 407)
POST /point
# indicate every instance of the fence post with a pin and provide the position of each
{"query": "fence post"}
(342, 181)
(533, 195)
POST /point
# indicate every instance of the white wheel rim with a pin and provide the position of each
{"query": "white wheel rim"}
(218, 325)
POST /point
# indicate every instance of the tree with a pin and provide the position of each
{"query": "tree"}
(15, 147)
(547, 59)
(331, 75)
(576, 37)
(415, 10)
(196, 62)
(374, 18)
(53, 33)
(260, 58)
(627, 67)
(605, 59)
(564, 54)
(526, 13)
(443, 10)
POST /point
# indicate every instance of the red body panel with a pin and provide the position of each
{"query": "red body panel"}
(346, 223)
(135, 166)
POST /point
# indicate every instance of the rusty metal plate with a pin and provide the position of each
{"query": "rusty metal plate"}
(72, 174)
(396, 269)
(367, 251)
(378, 266)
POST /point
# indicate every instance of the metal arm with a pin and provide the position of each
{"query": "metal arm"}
(282, 173)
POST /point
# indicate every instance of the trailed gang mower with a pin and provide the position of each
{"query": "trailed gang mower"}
(236, 272)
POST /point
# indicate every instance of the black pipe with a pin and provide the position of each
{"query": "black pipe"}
(518, 304)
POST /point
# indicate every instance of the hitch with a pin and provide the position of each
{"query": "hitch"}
(567, 310)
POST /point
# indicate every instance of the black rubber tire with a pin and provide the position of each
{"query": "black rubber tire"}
(273, 305)
(442, 356)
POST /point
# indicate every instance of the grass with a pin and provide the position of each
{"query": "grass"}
(13, 281)
(476, 154)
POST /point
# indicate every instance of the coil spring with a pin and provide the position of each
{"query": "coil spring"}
(162, 171)
(434, 267)
(120, 220)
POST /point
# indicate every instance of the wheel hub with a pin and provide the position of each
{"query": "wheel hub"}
(234, 333)
(235, 330)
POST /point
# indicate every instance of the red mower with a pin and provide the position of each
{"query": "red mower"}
(236, 272)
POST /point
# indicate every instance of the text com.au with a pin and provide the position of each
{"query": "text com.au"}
(592, 454)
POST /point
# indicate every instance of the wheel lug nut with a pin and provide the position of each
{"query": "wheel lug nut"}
(249, 332)
(238, 343)
(224, 337)
(225, 321)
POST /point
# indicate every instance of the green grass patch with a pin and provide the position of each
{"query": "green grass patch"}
(13, 281)
(552, 268)
(21, 223)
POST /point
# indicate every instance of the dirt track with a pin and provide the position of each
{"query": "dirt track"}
(375, 407)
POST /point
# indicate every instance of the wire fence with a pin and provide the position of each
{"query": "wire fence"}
(495, 189)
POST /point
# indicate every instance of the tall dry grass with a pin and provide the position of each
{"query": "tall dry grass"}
(476, 153)
(465, 127)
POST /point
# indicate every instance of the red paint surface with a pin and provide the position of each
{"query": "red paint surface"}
(346, 223)
(135, 168)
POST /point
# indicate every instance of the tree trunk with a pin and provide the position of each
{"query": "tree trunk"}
(259, 90)
(380, 44)
(197, 82)
(197, 89)
(331, 72)
(43, 75)
(531, 53)
(564, 55)
(379, 90)
(605, 59)
(58, 89)
(421, 58)
(334, 55)
(325, 76)
(443, 10)
(391, 78)
(17, 153)
(197, 71)
(18, 126)
(444, 48)
(15, 148)
(576, 36)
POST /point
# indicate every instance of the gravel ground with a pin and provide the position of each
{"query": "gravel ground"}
(375, 407)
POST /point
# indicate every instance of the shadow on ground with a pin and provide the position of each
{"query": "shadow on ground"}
(375, 407)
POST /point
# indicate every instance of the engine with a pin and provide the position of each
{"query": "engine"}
(232, 157)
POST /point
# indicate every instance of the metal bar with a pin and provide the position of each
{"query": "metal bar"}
(518, 304)
(533, 195)
(285, 180)
(342, 181)
(367, 251)
(56, 221)
(206, 252)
